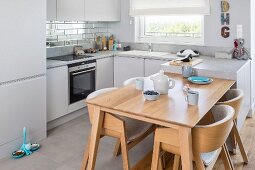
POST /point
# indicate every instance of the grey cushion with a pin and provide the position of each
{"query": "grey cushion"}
(135, 128)
(209, 157)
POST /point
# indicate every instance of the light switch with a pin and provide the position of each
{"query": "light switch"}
(239, 31)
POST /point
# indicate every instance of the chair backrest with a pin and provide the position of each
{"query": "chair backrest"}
(207, 138)
(95, 94)
(234, 98)
(131, 80)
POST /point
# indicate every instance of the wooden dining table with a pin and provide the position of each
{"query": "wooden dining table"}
(169, 110)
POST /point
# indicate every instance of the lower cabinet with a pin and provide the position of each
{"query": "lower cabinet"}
(57, 92)
(127, 67)
(152, 66)
(104, 73)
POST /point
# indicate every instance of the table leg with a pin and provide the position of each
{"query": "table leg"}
(98, 117)
(186, 148)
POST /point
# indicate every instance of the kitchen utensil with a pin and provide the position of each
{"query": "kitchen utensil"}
(151, 95)
(187, 71)
(192, 97)
(200, 80)
(192, 62)
(162, 83)
(139, 83)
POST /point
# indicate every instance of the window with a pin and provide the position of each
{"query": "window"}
(172, 29)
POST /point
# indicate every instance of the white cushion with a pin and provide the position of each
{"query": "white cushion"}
(209, 157)
(100, 92)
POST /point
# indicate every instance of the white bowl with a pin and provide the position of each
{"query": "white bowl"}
(152, 97)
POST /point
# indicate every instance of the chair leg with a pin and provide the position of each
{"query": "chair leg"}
(226, 159)
(199, 163)
(86, 156)
(228, 156)
(233, 141)
(124, 151)
(117, 148)
(155, 155)
(177, 159)
(240, 143)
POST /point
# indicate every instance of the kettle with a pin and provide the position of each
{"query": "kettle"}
(162, 83)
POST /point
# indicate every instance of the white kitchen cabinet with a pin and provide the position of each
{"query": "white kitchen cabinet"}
(23, 103)
(57, 92)
(70, 10)
(102, 10)
(104, 73)
(152, 66)
(51, 10)
(127, 67)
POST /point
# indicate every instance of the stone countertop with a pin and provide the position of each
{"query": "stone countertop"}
(212, 67)
(104, 54)
(99, 55)
(148, 55)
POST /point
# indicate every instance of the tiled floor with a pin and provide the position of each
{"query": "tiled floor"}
(64, 147)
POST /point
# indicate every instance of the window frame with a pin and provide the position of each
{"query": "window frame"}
(141, 37)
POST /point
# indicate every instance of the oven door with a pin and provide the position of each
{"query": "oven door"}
(81, 84)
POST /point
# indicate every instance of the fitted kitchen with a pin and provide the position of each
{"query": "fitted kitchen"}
(127, 84)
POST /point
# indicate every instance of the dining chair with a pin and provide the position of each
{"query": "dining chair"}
(208, 141)
(234, 98)
(128, 132)
(131, 80)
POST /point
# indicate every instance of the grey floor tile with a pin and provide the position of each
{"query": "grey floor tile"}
(64, 147)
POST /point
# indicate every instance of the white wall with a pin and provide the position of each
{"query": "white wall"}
(253, 50)
(239, 14)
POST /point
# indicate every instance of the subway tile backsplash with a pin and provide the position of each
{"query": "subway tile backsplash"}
(73, 33)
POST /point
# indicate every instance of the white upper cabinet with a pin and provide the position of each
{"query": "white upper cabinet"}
(102, 10)
(51, 10)
(70, 10)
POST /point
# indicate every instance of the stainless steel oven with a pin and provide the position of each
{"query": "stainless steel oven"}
(82, 80)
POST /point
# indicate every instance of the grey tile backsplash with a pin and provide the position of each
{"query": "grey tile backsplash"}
(73, 33)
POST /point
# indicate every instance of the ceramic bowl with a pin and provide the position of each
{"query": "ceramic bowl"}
(151, 97)
(18, 154)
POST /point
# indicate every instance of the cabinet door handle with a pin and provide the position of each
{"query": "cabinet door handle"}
(74, 74)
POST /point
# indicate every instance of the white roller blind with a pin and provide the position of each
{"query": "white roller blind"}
(169, 7)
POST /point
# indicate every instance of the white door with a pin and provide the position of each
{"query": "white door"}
(104, 73)
(102, 10)
(51, 10)
(23, 41)
(152, 66)
(71, 10)
(127, 67)
(57, 92)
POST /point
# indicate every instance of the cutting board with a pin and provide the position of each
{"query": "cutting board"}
(193, 62)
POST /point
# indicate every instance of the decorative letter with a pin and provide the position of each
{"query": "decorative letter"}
(224, 6)
(225, 32)
(224, 18)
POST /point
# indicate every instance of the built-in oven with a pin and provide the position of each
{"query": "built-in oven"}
(82, 80)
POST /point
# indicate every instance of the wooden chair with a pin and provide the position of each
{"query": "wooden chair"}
(234, 98)
(129, 132)
(208, 141)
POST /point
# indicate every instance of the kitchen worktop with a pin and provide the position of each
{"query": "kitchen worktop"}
(99, 55)
(212, 67)
(209, 64)
(104, 54)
